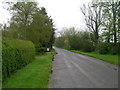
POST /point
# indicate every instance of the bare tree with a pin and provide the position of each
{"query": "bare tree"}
(93, 18)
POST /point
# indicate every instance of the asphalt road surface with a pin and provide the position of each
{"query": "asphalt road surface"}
(72, 70)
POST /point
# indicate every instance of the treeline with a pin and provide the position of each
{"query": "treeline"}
(102, 29)
(29, 22)
(74, 39)
(30, 29)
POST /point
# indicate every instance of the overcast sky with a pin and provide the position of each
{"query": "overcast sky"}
(65, 13)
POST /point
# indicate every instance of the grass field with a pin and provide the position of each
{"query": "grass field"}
(34, 75)
(113, 59)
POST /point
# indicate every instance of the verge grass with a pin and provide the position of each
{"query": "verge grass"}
(34, 75)
(113, 59)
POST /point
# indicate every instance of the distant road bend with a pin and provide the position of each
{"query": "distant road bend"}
(72, 70)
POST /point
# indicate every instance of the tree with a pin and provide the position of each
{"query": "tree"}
(110, 13)
(1, 27)
(76, 40)
(22, 17)
(42, 26)
(31, 23)
(93, 18)
(119, 22)
(107, 22)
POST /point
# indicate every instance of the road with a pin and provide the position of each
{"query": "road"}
(72, 70)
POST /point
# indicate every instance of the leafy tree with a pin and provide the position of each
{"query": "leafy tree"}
(77, 40)
(31, 23)
(22, 17)
(110, 14)
(59, 42)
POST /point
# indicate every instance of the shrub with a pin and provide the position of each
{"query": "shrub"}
(88, 47)
(81, 41)
(105, 48)
(75, 40)
(114, 49)
(15, 55)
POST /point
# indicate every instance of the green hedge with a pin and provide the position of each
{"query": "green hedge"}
(15, 55)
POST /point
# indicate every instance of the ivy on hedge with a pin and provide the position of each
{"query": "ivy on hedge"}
(15, 55)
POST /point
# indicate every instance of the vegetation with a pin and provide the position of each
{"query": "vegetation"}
(102, 17)
(81, 42)
(30, 30)
(107, 48)
(113, 59)
(73, 39)
(29, 22)
(15, 55)
(102, 30)
(34, 75)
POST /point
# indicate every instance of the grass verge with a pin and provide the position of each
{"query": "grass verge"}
(113, 59)
(34, 75)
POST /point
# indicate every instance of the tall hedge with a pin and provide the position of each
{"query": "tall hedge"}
(15, 55)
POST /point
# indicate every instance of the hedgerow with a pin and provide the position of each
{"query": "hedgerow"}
(15, 55)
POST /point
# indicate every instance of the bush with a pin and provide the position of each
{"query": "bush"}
(81, 41)
(88, 47)
(75, 40)
(114, 49)
(15, 55)
(105, 48)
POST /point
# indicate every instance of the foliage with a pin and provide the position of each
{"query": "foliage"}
(29, 22)
(83, 41)
(110, 23)
(15, 55)
(42, 31)
(107, 48)
(104, 48)
(73, 39)
(34, 75)
(77, 40)
(59, 42)
(102, 17)
(114, 50)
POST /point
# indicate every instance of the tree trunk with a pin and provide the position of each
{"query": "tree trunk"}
(114, 22)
